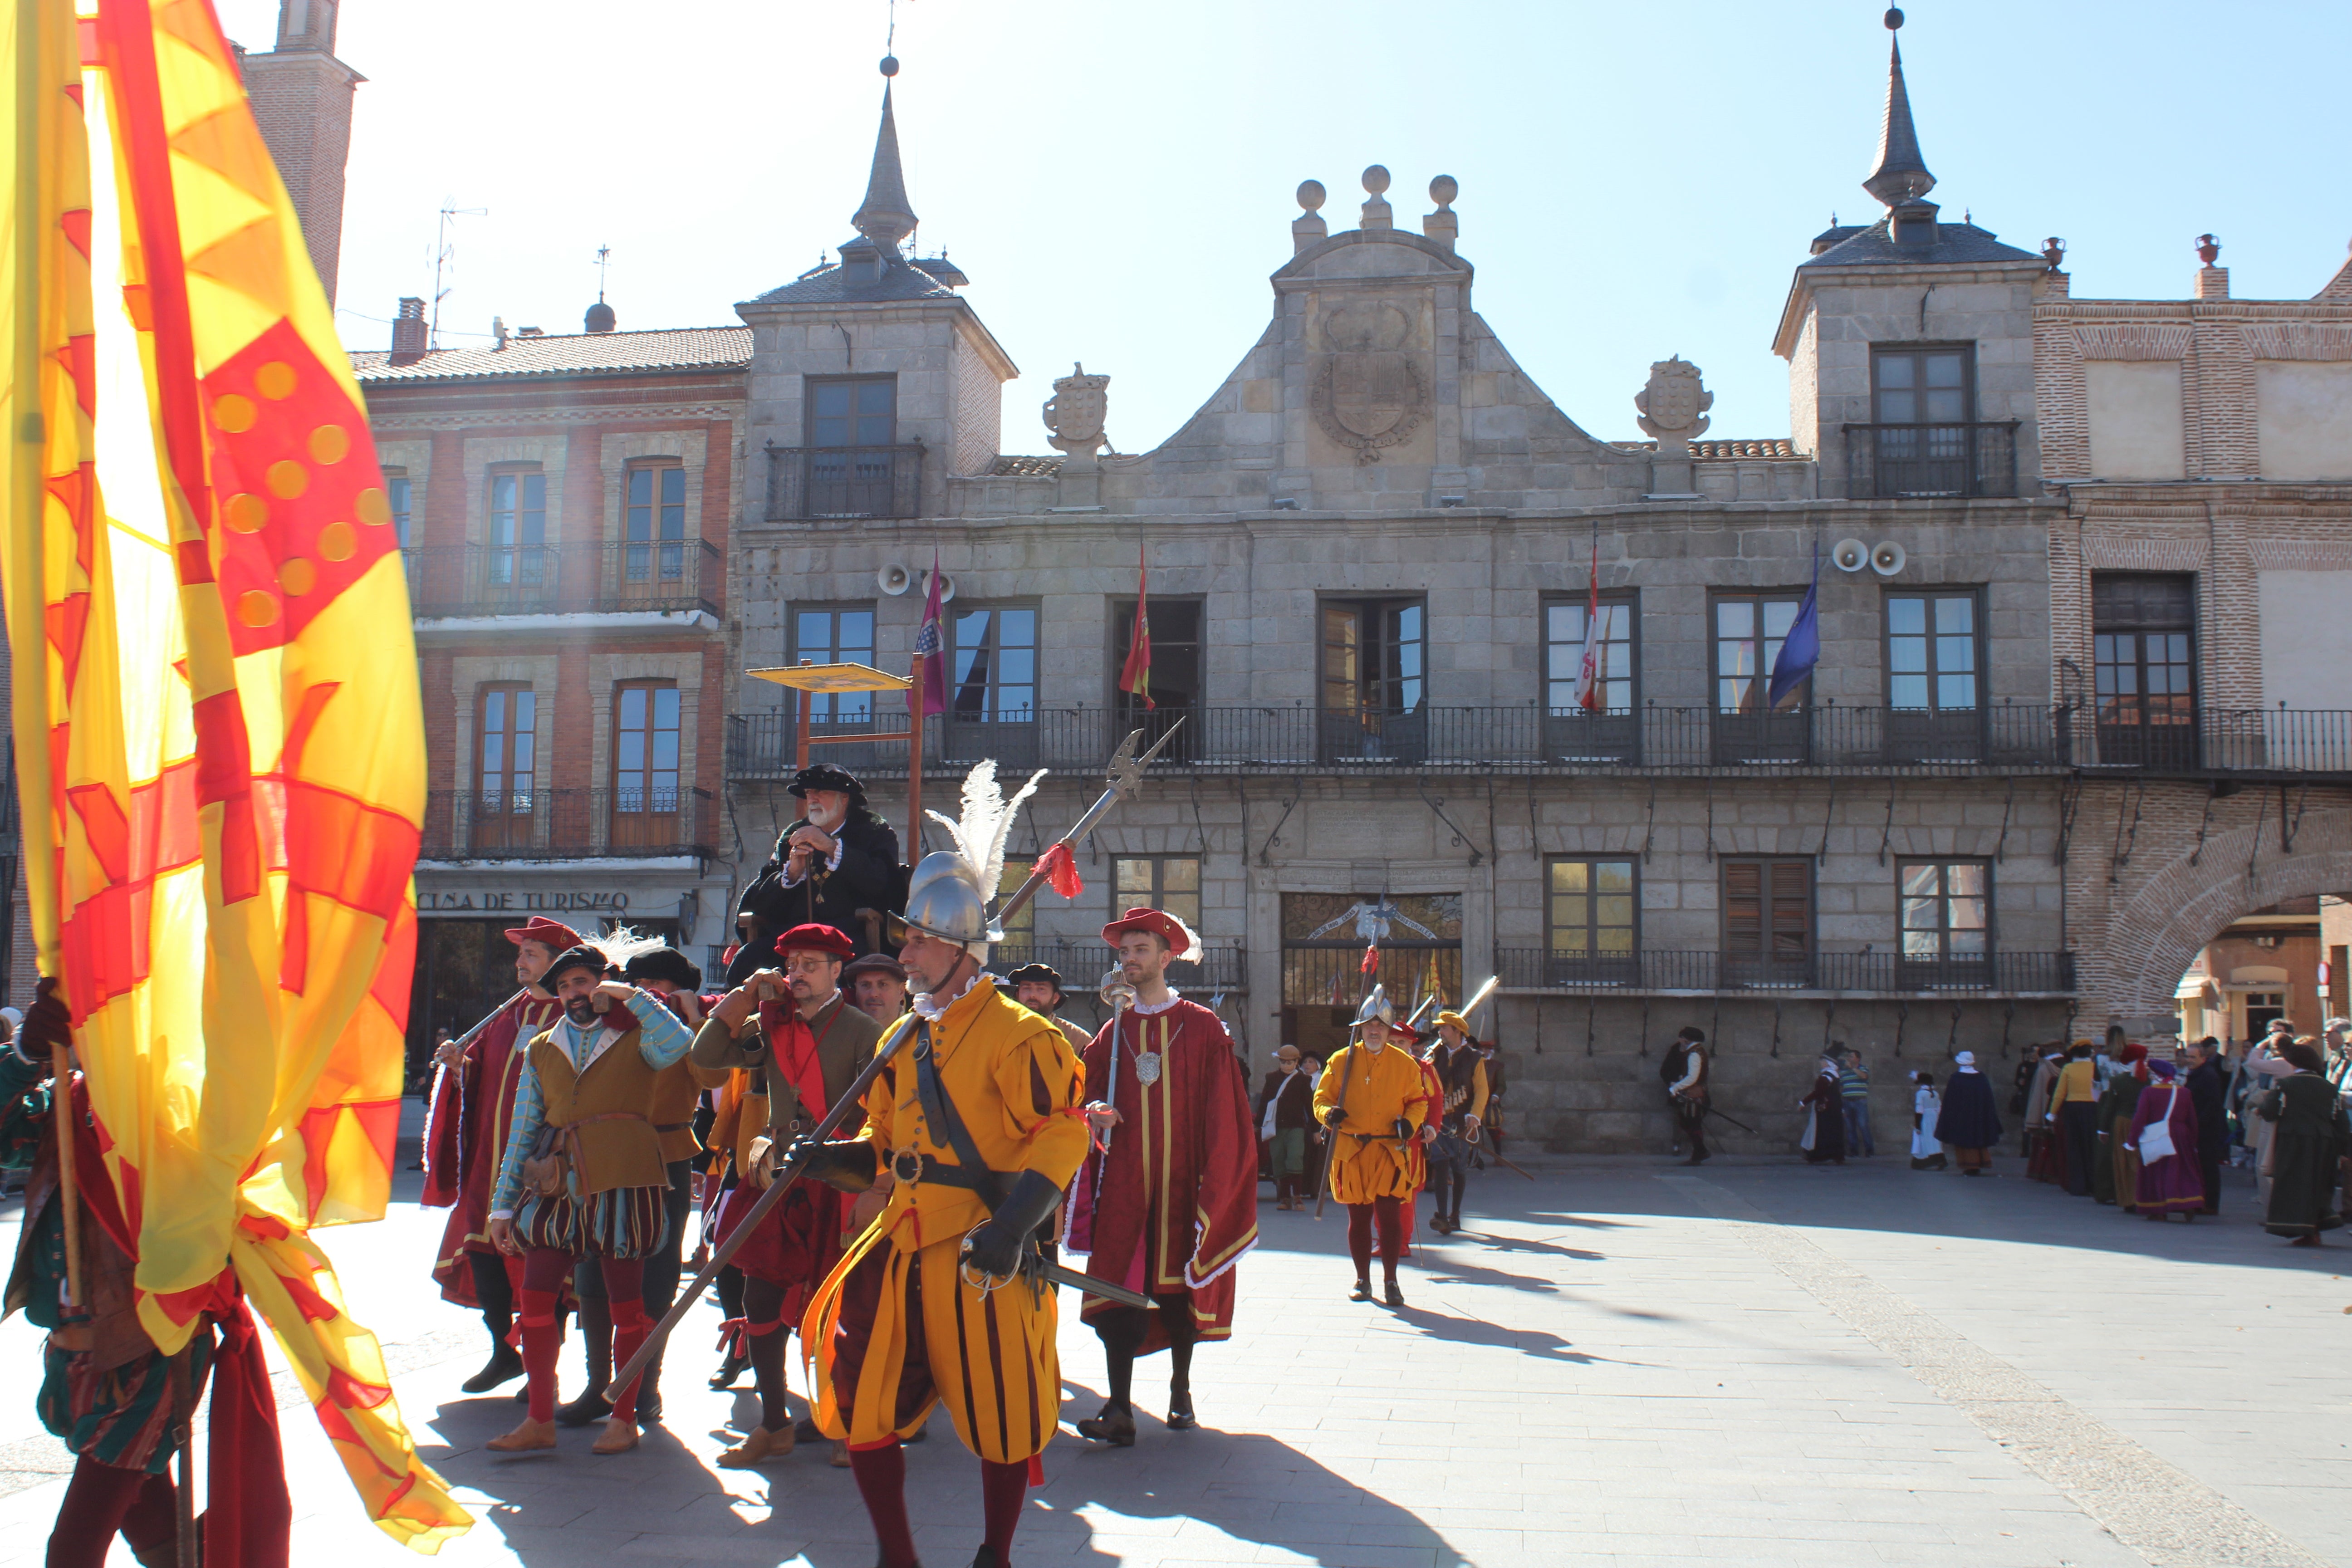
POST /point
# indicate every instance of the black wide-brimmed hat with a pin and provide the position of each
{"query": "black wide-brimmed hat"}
(824, 776)
(1036, 974)
(665, 963)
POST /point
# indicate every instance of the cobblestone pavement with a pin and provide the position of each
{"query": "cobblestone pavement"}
(1624, 1363)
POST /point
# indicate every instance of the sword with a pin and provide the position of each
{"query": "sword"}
(1125, 775)
(1053, 1273)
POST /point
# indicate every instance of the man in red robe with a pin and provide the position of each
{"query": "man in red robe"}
(472, 1105)
(1167, 1203)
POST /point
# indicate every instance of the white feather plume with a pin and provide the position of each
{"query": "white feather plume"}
(986, 824)
(623, 942)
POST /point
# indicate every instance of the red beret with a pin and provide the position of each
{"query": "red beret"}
(1183, 944)
(554, 934)
(820, 938)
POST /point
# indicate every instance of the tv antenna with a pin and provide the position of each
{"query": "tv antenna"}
(444, 257)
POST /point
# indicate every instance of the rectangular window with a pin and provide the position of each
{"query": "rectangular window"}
(1169, 882)
(840, 633)
(2143, 643)
(1768, 922)
(506, 716)
(1748, 631)
(1913, 385)
(1374, 671)
(1593, 916)
(993, 664)
(518, 554)
(1564, 631)
(653, 523)
(1945, 911)
(395, 489)
(1373, 655)
(1931, 652)
(1175, 627)
(645, 761)
(860, 411)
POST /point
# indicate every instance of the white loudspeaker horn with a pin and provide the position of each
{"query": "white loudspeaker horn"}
(1887, 559)
(1851, 555)
(894, 580)
(947, 586)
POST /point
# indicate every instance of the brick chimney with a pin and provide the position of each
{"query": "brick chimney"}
(409, 333)
(302, 97)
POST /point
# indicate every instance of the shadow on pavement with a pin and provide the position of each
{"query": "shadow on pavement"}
(1248, 1487)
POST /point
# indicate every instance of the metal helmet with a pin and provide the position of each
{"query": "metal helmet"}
(942, 901)
(1376, 1008)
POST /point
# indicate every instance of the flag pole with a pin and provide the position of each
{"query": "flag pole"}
(915, 764)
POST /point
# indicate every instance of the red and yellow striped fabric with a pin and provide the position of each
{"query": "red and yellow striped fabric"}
(220, 748)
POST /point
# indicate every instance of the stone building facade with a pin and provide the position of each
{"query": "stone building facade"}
(2077, 708)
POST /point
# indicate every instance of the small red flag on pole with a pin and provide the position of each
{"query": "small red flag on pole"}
(1135, 675)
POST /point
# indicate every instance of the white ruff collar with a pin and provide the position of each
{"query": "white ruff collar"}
(930, 1006)
(1142, 1010)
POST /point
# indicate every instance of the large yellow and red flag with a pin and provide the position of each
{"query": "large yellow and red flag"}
(220, 749)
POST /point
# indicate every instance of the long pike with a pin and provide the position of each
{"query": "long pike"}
(1125, 776)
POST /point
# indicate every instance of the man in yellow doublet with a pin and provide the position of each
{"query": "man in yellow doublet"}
(898, 1327)
(1372, 1099)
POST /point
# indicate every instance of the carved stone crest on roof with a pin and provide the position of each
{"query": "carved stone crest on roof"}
(1368, 395)
(1076, 411)
(1673, 406)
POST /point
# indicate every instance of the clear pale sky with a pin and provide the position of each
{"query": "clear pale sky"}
(1637, 180)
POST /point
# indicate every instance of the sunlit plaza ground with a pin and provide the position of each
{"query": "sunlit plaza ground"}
(1626, 1363)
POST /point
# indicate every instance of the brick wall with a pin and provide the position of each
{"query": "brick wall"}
(302, 102)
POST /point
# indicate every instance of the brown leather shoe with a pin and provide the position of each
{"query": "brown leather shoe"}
(762, 1444)
(528, 1438)
(619, 1438)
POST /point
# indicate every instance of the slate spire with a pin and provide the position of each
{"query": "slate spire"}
(1902, 174)
(886, 217)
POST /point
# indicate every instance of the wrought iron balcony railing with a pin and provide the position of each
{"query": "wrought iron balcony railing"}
(1892, 973)
(1522, 738)
(1890, 462)
(815, 483)
(543, 824)
(2128, 738)
(672, 575)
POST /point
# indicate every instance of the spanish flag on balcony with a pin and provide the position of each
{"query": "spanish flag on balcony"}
(220, 750)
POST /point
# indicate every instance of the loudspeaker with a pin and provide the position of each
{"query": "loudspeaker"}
(1851, 555)
(894, 580)
(1887, 559)
(947, 586)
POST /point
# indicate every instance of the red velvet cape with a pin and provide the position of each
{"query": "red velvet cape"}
(466, 1135)
(1177, 1205)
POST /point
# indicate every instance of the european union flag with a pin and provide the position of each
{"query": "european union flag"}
(1802, 648)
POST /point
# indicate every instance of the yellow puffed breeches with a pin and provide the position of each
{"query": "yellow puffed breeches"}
(894, 1330)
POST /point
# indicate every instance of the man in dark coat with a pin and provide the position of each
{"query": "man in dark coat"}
(1968, 1119)
(2209, 1092)
(837, 858)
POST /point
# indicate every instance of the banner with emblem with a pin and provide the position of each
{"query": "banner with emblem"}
(220, 746)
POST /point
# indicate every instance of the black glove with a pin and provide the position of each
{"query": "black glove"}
(1336, 1115)
(995, 1247)
(851, 1167)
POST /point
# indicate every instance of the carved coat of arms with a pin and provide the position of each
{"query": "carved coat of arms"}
(1076, 411)
(1674, 404)
(1367, 393)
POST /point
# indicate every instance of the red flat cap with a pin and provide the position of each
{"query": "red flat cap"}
(554, 934)
(1182, 942)
(819, 938)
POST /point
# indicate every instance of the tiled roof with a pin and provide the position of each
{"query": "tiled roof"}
(579, 353)
(1005, 467)
(1957, 244)
(830, 286)
(1723, 451)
